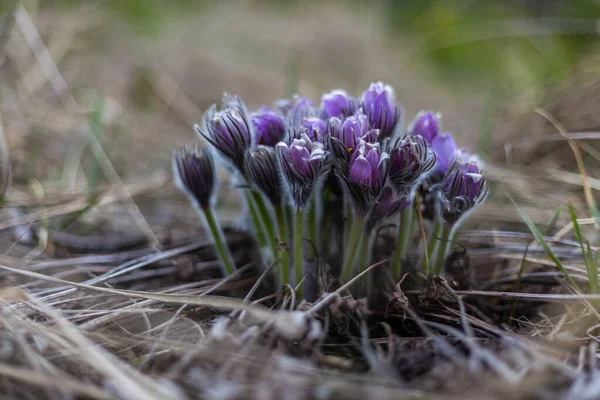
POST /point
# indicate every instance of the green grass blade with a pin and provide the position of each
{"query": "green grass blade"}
(547, 249)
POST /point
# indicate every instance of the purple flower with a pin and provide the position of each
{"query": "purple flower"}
(349, 132)
(365, 175)
(194, 173)
(426, 124)
(303, 163)
(228, 130)
(379, 106)
(315, 128)
(268, 127)
(463, 188)
(262, 169)
(302, 108)
(410, 161)
(445, 150)
(338, 104)
(387, 205)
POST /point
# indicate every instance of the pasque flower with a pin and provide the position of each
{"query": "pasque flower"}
(301, 109)
(425, 124)
(315, 128)
(263, 172)
(194, 173)
(367, 172)
(379, 105)
(269, 127)
(463, 188)
(446, 152)
(410, 161)
(388, 204)
(302, 163)
(228, 130)
(337, 104)
(346, 135)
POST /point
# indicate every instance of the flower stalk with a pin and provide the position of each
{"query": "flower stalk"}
(283, 253)
(447, 237)
(219, 240)
(405, 231)
(298, 245)
(352, 244)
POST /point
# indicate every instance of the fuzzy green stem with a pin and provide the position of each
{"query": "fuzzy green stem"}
(405, 231)
(255, 219)
(284, 255)
(363, 259)
(445, 241)
(351, 247)
(432, 247)
(266, 221)
(219, 241)
(313, 223)
(298, 246)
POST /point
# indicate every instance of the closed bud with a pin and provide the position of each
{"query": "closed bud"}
(228, 130)
(410, 161)
(426, 124)
(379, 105)
(262, 169)
(387, 205)
(446, 152)
(337, 104)
(315, 128)
(301, 109)
(303, 163)
(365, 175)
(269, 127)
(194, 173)
(464, 187)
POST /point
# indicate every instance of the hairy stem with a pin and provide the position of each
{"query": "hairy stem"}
(266, 222)
(313, 222)
(405, 231)
(432, 247)
(351, 247)
(219, 241)
(255, 219)
(284, 270)
(298, 246)
(445, 241)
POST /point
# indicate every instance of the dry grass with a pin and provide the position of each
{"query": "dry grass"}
(110, 290)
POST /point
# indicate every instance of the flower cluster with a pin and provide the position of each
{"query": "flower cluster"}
(293, 155)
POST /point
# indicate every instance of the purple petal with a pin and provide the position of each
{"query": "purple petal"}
(269, 127)
(336, 103)
(445, 149)
(361, 170)
(426, 124)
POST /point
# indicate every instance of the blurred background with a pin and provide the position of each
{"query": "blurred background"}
(94, 95)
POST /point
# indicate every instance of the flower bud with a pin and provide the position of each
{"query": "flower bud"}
(464, 187)
(410, 161)
(337, 104)
(426, 124)
(387, 205)
(379, 106)
(194, 173)
(301, 109)
(228, 130)
(365, 175)
(262, 169)
(349, 132)
(315, 128)
(268, 127)
(446, 152)
(302, 163)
